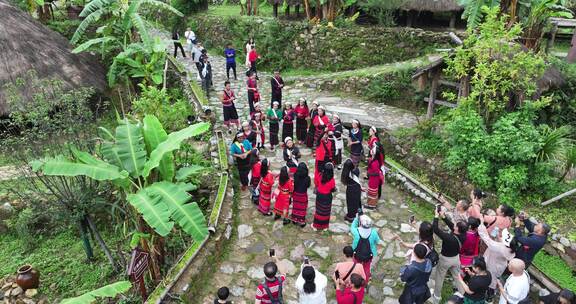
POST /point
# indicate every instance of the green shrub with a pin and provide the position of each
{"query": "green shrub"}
(66, 27)
(171, 108)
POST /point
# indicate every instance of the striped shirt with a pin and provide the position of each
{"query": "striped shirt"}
(273, 286)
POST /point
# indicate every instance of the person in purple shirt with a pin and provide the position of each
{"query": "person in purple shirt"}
(230, 54)
(529, 245)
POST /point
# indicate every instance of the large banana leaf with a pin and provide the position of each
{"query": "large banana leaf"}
(108, 291)
(185, 172)
(131, 149)
(172, 143)
(189, 216)
(59, 166)
(153, 210)
(154, 134)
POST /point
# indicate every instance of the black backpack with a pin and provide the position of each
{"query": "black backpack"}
(432, 255)
(273, 300)
(363, 252)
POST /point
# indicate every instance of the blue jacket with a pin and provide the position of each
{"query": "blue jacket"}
(230, 55)
(416, 275)
(530, 244)
(374, 238)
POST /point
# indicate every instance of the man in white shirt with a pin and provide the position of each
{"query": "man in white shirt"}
(517, 285)
(190, 39)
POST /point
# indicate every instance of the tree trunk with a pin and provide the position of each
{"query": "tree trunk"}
(248, 7)
(297, 9)
(275, 10)
(318, 10)
(307, 9)
(255, 7)
(155, 269)
(101, 242)
(287, 11)
(325, 10)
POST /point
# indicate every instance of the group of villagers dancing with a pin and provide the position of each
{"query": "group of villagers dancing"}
(285, 195)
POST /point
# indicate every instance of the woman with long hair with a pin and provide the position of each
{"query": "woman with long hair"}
(274, 117)
(291, 155)
(300, 195)
(372, 137)
(477, 203)
(337, 141)
(311, 286)
(283, 195)
(355, 142)
(253, 94)
(311, 128)
(265, 188)
(324, 190)
(258, 128)
(240, 150)
(302, 113)
(249, 45)
(375, 176)
(350, 178)
(425, 237)
(288, 116)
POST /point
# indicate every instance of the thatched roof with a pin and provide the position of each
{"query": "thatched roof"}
(432, 5)
(26, 44)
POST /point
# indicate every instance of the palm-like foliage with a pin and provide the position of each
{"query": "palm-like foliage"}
(132, 159)
(108, 291)
(535, 16)
(124, 13)
(555, 143)
(473, 11)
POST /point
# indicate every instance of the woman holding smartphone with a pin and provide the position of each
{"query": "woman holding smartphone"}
(311, 285)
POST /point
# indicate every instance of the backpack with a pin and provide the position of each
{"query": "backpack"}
(273, 300)
(432, 255)
(363, 252)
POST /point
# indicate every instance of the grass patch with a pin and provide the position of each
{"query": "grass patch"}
(219, 198)
(61, 261)
(422, 210)
(222, 153)
(556, 269)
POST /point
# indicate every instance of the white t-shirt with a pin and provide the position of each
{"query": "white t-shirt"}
(190, 36)
(516, 289)
(318, 297)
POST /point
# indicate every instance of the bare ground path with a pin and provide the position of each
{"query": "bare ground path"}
(241, 269)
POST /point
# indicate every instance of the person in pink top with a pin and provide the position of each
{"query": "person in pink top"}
(344, 270)
(502, 219)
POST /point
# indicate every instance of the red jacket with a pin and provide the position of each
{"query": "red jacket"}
(252, 56)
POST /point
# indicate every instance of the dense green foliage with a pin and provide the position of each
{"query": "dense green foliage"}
(493, 135)
(168, 105)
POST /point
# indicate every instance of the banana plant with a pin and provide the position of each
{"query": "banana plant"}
(473, 10)
(138, 158)
(108, 291)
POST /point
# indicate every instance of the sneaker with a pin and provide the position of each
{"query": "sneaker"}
(339, 167)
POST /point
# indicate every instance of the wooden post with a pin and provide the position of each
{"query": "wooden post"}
(433, 93)
(453, 20)
(464, 90)
(552, 38)
(572, 53)
(561, 196)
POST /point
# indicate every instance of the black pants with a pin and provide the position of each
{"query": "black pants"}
(231, 66)
(276, 96)
(253, 68)
(251, 101)
(206, 84)
(178, 45)
(199, 67)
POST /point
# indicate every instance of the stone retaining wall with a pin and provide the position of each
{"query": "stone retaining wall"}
(300, 45)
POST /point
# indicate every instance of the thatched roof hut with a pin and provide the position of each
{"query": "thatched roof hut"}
(26, 44)
(434, 6)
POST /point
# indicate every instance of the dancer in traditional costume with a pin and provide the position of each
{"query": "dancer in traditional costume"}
(355, 142)
(321, 125)
(302, 114)
(311, 128)
(375, 176)
(258, 128)
(240, 150)
(323, 156)
(337, 141)
(228, 107)
(291, 155)
(248, 133)
(256, 165)
(326, 186)
(283, 195)
(276, 84)
(274, 117)
(288, 117)
(300, 195)
(265, 188)
(351, 179)
(253, 95)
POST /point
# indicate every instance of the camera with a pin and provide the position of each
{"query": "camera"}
(272, 252)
